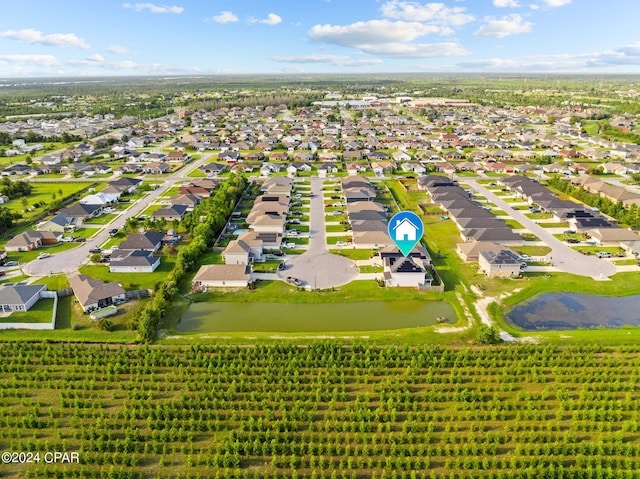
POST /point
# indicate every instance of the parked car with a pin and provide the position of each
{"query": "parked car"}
(80, 240)
(603, 254)
(2, 273)
(341, 243)
(293, 222)
(95, 250)
(523, 265)
(335, 197)
(282, 266)
(11, 263)
(292, 280)
(525, 257)
(573, 241)
(297, 213)
(113, 232)
(43, 255)
(296, 203)
(67, 239)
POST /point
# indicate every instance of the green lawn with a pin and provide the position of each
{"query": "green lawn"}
(131, 281)
(332, 240)
(546, 224)
(102, 219)
(370, 269)
(513, 224)
(337, 228)
(44, 193)
(55, 282)
(85, 232)
(26, 256)
(539, 216)
(41, 312)
(533, 250)
(354, 254)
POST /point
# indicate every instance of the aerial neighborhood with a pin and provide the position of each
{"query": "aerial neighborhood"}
(324, 179)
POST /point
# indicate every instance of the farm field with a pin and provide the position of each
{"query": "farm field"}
(322, 411)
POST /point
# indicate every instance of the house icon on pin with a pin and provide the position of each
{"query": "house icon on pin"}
(404, 230)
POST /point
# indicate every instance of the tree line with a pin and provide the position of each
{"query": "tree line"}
(615, 209)
(203, 224)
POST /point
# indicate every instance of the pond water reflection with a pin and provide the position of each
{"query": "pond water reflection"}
(557, 311)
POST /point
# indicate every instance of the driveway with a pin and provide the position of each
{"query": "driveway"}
(318, 268)
(69, 261)
(562, 257)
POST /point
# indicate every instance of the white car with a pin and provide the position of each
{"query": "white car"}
(43, 255)
(341, 243)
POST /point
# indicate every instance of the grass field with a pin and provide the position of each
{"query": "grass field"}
(41, 312)
(284, 411)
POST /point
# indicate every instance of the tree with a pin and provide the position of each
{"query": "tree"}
(488, 335)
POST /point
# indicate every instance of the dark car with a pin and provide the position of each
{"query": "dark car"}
(282, 266)
(80, 240)
(113, 232)
(573, 241)
(95, 250)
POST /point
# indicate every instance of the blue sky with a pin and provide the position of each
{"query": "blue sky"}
(104, 37)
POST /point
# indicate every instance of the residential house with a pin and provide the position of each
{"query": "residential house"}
(58, 224)
(31, 239)
(501, 264)
(19, 297)
(401, 271)
(222, 276)
(149, 241)
(93, 294)
(190, 201)
(101, 198)
(170, 213)
(133, 261)
(326, 169)
(157, 168)
(213, 169)
(82, 212)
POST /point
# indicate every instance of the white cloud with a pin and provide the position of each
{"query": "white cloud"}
(556, 3)
(370, 33)
(153, 8)
(271, 20)
(338, 60)
(505, 3)
(225, 17)
(628, 55)
(503, 27)
(118, 50)
(416, 50)
(44, 60)
(30, 35)
(428, 12)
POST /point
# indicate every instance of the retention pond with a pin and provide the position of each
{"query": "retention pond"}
(287, 317)
(558, 311)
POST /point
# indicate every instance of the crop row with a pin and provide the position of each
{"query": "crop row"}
(322, 411)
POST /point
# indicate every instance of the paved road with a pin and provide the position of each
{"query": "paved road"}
(69, 261)
(318, 268)
(563, 257)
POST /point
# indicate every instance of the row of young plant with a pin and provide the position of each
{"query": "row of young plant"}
(165, 411)
(203, 225)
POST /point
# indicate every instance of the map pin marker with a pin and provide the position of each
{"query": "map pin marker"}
(406, 230)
